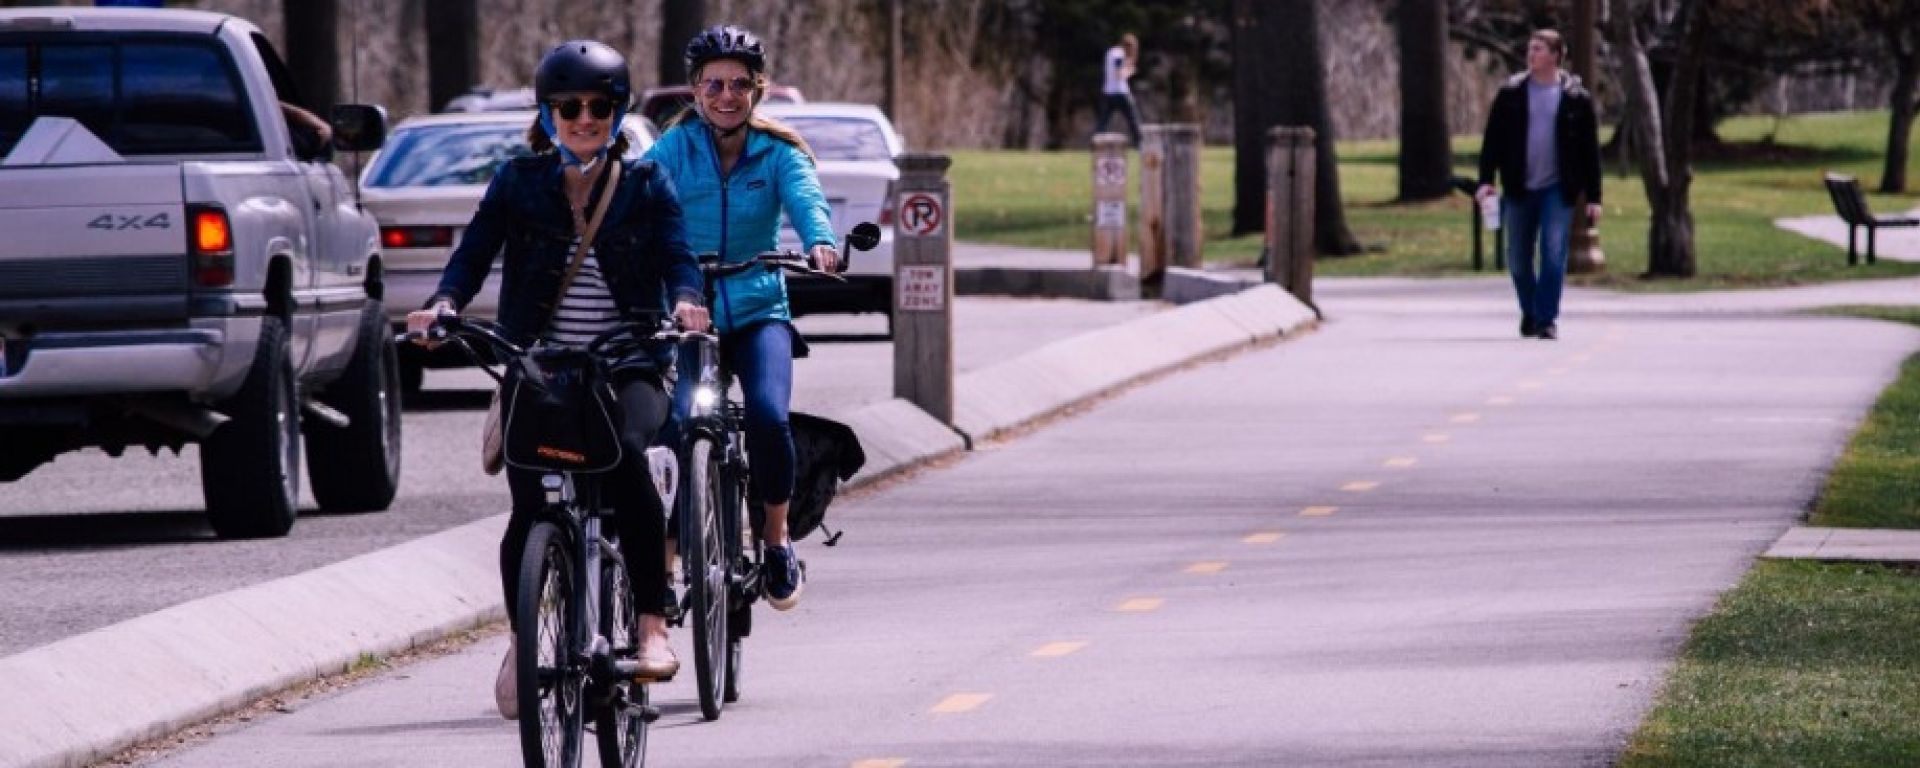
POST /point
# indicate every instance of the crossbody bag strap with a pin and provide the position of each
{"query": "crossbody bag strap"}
(586, 237)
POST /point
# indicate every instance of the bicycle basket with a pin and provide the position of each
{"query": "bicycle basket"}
(560, 414)
(825, 452)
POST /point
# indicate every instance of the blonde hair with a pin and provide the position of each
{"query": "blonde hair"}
(1131, 45)
(755, 120)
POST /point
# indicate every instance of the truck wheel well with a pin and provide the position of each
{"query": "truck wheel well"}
(279, 290)
(376, 279)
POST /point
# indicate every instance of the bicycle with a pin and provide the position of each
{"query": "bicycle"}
(576, 641)
(721, 553)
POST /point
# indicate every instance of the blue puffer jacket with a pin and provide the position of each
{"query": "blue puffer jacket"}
(737, 215)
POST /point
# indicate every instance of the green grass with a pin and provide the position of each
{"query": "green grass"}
(1876, 483)
(1042, 199)
(1803, 664)
(1810, 664)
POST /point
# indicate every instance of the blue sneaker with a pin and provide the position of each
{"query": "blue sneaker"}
(784, 579)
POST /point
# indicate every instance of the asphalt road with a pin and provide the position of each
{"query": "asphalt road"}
(1409, 538)
(89, 540)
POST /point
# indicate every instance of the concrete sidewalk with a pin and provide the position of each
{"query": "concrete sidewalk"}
(1872, 545)
(78, 700)
(1894, 244)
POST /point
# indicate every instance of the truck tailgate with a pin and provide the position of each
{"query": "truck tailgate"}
(95, 243)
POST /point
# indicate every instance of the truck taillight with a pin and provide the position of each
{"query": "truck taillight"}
(886, 208)
(416, 237)
(211, 245)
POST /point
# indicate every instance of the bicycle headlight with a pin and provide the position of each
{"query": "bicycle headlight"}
(704, 399)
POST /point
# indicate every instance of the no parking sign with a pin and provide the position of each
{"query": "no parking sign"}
(922, 214)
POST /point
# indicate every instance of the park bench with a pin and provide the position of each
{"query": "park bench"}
(1852, 206)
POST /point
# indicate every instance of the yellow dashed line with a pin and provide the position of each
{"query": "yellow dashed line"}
(1401, 462)
(1263, 537)
(1500, 400)
(1140, 605)
(1436, 437)
(1465, 418)
(960, 702)
(882, 762)
(1530, 384)
(1054, 650)
(1318, 511)
(1210, 566)
(1360, 486)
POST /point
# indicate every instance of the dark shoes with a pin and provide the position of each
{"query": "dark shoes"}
(1550, 332)
(1530, 331)
(1527, 330)
(784, 578)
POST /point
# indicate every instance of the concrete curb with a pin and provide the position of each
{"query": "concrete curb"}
(1865, 545)
(1102, 284)
(84, 698)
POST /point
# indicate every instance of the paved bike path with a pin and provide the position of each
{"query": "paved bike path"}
(1410, 538)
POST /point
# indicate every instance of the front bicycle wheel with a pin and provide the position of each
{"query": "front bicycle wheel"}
(550, 678)
(744, 552)
(706, 563)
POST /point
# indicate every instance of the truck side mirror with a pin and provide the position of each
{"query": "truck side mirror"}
(358, 127)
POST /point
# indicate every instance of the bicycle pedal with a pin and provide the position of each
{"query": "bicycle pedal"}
(649, 713)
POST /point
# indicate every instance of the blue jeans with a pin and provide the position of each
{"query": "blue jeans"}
(761, 358)
(1538, 216)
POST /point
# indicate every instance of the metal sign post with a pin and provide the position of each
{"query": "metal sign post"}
(923, 285)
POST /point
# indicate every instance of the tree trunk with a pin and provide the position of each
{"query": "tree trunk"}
(1426, 149)
(680, 20)
(1252, 113)
(1661, 133)
(1900, 128)
(313, 51)
(453, 49)
(1301, 85)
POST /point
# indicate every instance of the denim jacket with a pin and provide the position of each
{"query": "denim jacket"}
(737, 214)
(641, 244)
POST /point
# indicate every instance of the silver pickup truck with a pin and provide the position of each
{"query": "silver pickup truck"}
(180, 262)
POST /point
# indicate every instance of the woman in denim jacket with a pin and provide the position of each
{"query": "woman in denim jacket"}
(536, 209)
(736, 172)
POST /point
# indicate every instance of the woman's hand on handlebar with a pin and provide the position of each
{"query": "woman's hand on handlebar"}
(825, 258)
(420, 320)
(692, 317)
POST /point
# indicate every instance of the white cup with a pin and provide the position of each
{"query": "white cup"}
(1490, 211)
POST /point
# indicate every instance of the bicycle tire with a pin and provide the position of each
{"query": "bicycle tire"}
(707, 569)
(741, 539)
(549, 682)
(618, 728)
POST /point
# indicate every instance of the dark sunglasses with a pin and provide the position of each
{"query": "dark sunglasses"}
(713, 85)
(570, 109)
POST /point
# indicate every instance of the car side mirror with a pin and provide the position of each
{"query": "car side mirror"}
(864, 236)
(358, 127)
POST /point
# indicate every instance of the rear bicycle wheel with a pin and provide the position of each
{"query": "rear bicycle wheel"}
(550, 679)
(619, 726)
(707, 569)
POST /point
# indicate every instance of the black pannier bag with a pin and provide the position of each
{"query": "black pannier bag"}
(560, 414)
(825, 453)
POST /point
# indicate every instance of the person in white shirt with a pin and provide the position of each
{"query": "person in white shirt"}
(1115, 96)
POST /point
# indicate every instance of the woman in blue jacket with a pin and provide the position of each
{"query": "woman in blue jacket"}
(735, 173)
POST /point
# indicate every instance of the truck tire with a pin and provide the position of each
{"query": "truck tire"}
(250, 466)
(356, 468)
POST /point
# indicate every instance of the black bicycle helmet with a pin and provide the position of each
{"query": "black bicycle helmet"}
(726, 41)
(583, 65)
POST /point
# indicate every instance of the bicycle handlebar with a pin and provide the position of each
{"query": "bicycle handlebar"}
(712, 267)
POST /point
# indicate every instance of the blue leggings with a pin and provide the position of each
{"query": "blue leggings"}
(761, 358)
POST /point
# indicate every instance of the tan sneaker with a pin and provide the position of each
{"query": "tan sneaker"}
(506, 691)
(658, 663)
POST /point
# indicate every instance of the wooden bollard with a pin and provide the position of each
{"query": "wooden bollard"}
(1184, 230)
(923, 285)
(1153, 220)
(1110, 199)
(1290, 171)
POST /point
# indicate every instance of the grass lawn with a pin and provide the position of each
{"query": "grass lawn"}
(1809, 664)
(1042, 199)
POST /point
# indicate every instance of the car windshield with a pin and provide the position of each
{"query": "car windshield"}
(458, 154)
(842, 138)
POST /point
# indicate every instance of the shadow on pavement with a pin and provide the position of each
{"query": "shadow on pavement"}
(97, 530)
(483, 723)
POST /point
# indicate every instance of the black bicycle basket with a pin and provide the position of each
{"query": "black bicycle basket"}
(560, 414)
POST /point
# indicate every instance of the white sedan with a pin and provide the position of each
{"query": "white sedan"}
(855, 145)
(423, 187)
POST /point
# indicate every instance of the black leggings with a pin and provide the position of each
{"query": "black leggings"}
(629, 487)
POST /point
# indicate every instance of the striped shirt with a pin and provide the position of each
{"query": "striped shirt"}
(587, 309)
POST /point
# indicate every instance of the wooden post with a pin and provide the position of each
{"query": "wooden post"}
(1153, 220)
(1110, 199)
(1290, 169)
(923, 285)
(453, 49)
(1583, 254)
(1184, 231)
